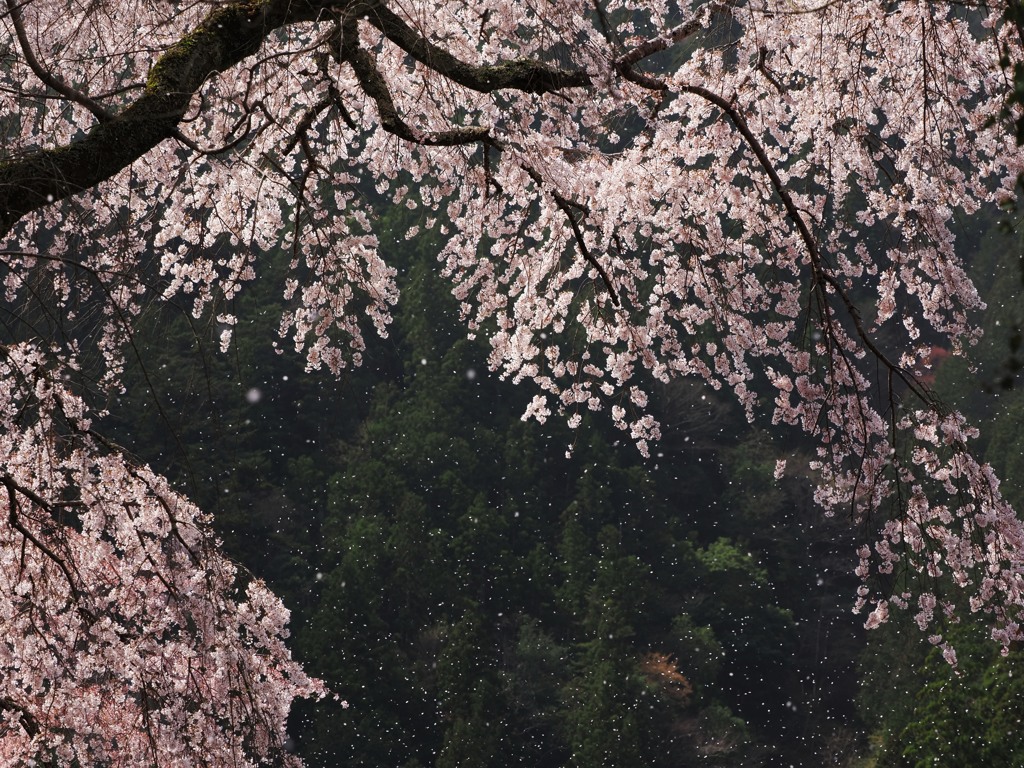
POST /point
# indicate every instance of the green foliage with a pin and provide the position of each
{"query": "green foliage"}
(469, 694)
(963, 717)
(697, 650)
(479, 598)
(605, 726)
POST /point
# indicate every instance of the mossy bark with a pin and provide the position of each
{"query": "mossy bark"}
(229, 34)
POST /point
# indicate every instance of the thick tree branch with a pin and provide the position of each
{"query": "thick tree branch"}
(624, 65)
(521, 74)
(230, 33)
(374, 85)
(660, 43)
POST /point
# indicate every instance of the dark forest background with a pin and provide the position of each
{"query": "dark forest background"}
(481, 599)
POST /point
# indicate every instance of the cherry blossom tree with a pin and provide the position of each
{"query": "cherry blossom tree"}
(761, 194)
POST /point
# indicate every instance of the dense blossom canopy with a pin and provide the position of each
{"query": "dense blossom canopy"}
(761, 194)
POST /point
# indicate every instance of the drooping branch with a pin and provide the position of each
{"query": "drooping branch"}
(821, 272)
(14, 520)
(567, 206)
(230, 33)
(32, 180)
(48, 78)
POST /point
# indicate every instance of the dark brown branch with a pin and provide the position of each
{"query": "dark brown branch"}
(303, 126)
(374, 85)
(229, 34)
(821, 272)
(48, 78)
(762, 67)
(246, 134)
(14, 519)
(566, 205)
(624, 65)
(521, 74)
(660, 43)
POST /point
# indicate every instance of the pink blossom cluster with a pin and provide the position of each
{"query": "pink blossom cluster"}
(127, 637)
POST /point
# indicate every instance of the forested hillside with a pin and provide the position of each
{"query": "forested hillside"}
(485, 591)
(481, 591)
